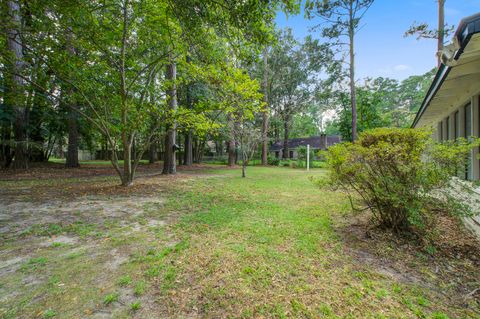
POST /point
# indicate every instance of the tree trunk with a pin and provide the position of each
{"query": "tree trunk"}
(36, 153)
(127, 178)
(179, 154)
(199, 146)
(49, 149)
(169, 163)
(60, 148)
(7, 151)
(231, 152)
(14, 43)
(231, 143)
(72, 149)
(134, 150)
(195, 148)
(286, 132)
(244, 157)
(441, 28)
(9, 102)
(161, 149)
(152, 152)
(169, 160)
(188, 155)
(35, 109)
(127, 135)
(265, 112)
(107, 155)
(188, 149)
(353, 95)
(220, 148)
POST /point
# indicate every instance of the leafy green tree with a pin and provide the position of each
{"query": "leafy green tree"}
(413, 90)
(240, 98)
(340, 23)
(382, 102)
(297, 68)
(369, 111)
(122, 48)
(304, 124)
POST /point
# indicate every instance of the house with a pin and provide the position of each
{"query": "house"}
(316, 143)
(451, 106)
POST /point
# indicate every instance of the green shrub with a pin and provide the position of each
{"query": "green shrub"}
(300, 164)
(272, 160)
(401, 175)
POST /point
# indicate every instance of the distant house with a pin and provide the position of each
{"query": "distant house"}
(452, 104)
(321, 142)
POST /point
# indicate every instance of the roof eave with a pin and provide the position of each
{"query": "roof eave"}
(467, 28)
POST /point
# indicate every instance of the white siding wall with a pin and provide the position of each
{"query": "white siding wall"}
(475, 132)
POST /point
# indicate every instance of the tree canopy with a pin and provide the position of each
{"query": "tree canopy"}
(132, 79)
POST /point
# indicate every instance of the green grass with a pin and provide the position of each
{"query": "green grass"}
(78, 228)
(266, 246)
(34, 264)
(125, 281)
(140, 288)
(49, 314)
(110, 298)
(262, 246)
(134, 306)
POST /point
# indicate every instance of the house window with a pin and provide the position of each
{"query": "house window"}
(447, 135)
(291, 154)
(440, 131)
(457, 125)
(468, 120)
(277, 154)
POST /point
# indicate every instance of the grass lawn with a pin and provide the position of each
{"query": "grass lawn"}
(205, 244)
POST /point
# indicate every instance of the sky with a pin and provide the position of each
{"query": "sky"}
(381, 48)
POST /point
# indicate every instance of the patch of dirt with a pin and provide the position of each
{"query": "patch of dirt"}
(388, 268)
(156, 223)
(61, 190)
(452, 264)
(116, 260)
(62, 239)
(63, 218)
(11, 265)
(102, 315)
(19, 217)
(32, 280)
(49, 170)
